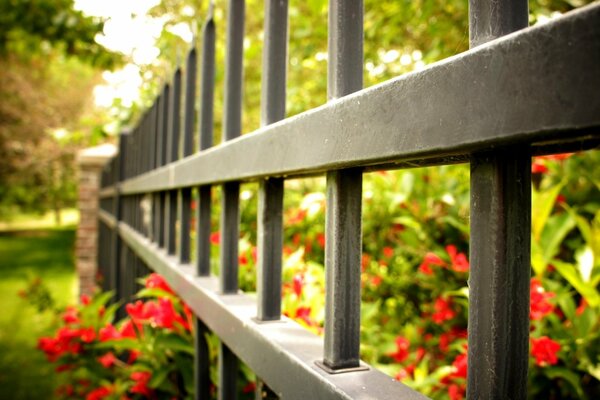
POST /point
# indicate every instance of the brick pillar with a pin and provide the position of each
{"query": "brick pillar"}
(90, 163)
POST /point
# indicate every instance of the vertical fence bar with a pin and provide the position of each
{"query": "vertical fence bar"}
(157, 163)
(173, 155)
(203, 206)
(270, 199)
(500, 242)
(343, 234)
(185, 194)
(232, 126)
(119, 207)
(207, 88)
(162, 156)
(152, 165)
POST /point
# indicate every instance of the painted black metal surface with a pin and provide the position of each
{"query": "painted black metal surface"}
(343, 220)
(270, 200)
(500, 247)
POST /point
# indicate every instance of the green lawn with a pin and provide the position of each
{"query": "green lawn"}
(25, 254)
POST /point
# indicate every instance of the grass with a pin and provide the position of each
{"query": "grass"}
(19, 222)
(25, 254)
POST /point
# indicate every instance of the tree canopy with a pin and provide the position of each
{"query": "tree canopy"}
(49, 64)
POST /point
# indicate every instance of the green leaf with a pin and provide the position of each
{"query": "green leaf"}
(120, 344)
(570, 273)
(158, 378)
(156, 293)
(174, 342)
(555, 231)
(572, 378)
(542, 204)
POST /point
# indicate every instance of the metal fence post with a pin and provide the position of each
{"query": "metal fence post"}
(500, 242)
(343, 235)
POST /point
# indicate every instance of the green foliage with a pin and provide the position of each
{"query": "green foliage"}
(44, 259)
(41, 26)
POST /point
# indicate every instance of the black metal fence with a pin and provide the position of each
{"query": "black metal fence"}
(513, 95)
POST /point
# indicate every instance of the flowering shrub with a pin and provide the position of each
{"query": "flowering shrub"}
(146, 355)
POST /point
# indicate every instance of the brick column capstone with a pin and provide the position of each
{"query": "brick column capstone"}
(90, 163)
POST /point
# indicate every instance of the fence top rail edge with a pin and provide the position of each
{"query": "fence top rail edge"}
(532, 87)
(230, 317)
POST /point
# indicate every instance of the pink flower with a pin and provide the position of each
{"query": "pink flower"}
(544, 350)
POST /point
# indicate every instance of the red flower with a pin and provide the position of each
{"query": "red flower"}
(64, 367)
(321, 239)
(443, 310)
(165, 315)
(107, 360)
(71, 315)
(429, 260)
(137, 311)
(242, 259)
(459, 260)
(133, 355)
(109, 332)
(85, 299)
(297, 217)
(538, 166)
(100, 393)
(365, 261)
(155, 281)
(249, 388)
(215, 238)
(402, 349)
(544, 350)
(298, 284)
(582, 306)
(87, 335)
(141, 379)
(127, 330)
(456, 392)
(303, 313)
(460, 366)
(388, 252)
(539, 305)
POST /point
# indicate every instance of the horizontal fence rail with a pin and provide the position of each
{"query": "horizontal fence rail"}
(533, 87)
(513, 95)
